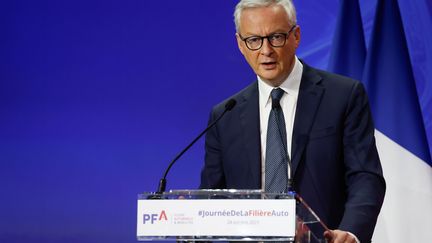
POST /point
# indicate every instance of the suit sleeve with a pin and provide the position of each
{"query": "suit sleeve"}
(364, 178)
(212, 175)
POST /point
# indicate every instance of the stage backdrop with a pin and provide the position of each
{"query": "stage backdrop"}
(96, 98)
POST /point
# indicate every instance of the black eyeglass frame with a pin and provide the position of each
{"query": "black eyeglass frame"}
(286, 35)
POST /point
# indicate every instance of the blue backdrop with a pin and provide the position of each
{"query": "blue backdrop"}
(96, 97)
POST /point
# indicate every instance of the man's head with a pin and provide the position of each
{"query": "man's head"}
(271, 58)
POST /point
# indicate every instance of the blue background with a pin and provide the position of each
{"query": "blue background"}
(96, 97)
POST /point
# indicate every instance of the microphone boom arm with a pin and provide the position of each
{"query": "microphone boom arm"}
(162, 183)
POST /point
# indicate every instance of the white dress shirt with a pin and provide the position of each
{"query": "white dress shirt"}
(288, 104)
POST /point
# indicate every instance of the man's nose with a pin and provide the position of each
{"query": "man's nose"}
(266, 48)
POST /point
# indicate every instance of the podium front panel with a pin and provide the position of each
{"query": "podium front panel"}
(222, 215)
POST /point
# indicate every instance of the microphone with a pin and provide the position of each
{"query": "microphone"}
(229, 105)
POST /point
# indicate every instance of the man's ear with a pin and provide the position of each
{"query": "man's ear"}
(240, 43)
(297, 36)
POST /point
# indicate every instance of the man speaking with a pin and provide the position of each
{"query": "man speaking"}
(296, 128)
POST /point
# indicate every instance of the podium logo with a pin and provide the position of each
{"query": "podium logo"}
(151, 218)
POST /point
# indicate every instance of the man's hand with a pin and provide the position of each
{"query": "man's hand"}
(339, 236)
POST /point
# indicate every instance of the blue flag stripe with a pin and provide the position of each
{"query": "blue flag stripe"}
(348, 52)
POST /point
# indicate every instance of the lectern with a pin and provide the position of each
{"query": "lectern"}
(227, 215)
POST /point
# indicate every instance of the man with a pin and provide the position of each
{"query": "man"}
(319, 124)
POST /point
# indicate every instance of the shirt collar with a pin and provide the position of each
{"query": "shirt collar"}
(291, 85)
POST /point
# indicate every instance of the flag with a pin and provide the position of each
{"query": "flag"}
(348, 52)
(401, 138)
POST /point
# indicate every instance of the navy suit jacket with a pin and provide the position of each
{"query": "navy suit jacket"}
(335, 164)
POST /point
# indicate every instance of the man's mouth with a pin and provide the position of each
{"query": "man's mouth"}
(268, 65)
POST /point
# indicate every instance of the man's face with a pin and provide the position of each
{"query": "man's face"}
(272, 64)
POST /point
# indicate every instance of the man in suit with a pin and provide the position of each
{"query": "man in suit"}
(326, 134)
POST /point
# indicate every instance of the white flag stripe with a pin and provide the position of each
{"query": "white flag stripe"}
(407, 210)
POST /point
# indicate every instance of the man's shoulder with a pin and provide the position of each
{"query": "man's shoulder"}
(336, 87)
(328, 78)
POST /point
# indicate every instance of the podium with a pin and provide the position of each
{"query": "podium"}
(227, 215)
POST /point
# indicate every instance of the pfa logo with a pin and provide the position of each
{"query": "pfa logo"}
(151, 218)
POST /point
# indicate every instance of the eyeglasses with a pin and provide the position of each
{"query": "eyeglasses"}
(254, 43)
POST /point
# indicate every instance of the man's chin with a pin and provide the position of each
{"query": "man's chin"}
(272, 80)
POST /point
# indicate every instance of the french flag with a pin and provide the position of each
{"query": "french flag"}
(406, 215)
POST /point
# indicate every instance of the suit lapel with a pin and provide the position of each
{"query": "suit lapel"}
(249, 119)
(309, 98)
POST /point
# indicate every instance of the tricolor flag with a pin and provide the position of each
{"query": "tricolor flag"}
(406, 215)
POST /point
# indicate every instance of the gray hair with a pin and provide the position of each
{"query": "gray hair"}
(244, 4)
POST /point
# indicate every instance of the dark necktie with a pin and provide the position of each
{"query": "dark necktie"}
(276, 164)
